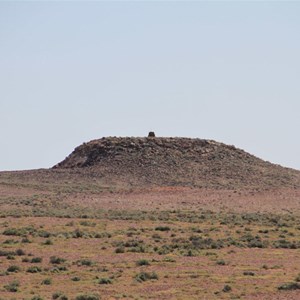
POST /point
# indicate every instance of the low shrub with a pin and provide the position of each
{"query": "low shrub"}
(25, 259)
(13, 268)
(162, 228)
(144, 276)
(289, 286)
(227, 288)
(84, 262)
(10, 242)
(221, 262)
(87, 297)
(248, 273)
(47, 281)
(20, 252)
(120, 250)
(48, 242)
(25, 240)
(6, 253)
(34, 269)
(12, 287)
(76, 278)
(56, 260)
(105, 281)
(36, 260)
(59, 296)
(142, 262)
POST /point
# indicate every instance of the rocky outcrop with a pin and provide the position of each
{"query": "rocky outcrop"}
(177, 161)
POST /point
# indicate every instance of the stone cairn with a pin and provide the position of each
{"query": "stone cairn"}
(151, 134)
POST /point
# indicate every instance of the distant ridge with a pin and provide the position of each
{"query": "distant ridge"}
(162, 161)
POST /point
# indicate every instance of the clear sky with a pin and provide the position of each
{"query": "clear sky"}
(75, 71)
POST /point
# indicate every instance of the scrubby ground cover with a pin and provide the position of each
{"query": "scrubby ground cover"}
(72, 235)
(175, 254)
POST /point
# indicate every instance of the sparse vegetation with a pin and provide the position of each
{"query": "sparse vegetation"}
(37, 298)
(248, 273)
(56, 260)
(12, 287)
(87, 297)
(289, 286)
(105, 281)
(84, 262)
(75, 278)
(34, 269)
(227, 288)
(47, 281)
(13, 269)
(162, 228)
(59, 296)
(144, 276)
(73, 232)
(36, 260)
(142, 262)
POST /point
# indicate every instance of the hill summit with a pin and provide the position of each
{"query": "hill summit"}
(177, 161)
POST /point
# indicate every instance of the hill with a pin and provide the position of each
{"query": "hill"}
(184, 162)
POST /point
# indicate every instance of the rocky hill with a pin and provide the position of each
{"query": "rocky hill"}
(187, 162)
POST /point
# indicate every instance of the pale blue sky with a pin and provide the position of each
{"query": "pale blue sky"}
(75, 71)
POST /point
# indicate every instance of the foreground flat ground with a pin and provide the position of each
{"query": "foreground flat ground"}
(189, 255)
(64, 239)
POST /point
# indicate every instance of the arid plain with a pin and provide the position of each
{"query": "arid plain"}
(151, 218)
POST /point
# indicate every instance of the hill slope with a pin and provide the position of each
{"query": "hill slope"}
(177, 162)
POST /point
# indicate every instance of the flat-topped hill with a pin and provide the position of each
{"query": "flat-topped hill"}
(176, 162)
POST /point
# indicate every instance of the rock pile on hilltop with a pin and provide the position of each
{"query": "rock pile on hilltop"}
(177, 162)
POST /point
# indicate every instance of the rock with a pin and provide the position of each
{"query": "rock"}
(151, 134)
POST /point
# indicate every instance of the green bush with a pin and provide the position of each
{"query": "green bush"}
(120, 250)
(48, 242)
(248, 273)
(87, 223)
(11, 231)
(84, 262)
(6, 253)
(221, 262)
(59, 296)
(12, 287)
(13, 268)
(162, 228)
(25, 259)
(34, 269)
(20, 252)
(142, 262)
(10, 242)
(87, 297)
(105, 281)
(76, 278)
(47, 281)
(19, 231)
(227, 288)
(25, 240)
(44, 234)
(289, 286)
(36, 260)
(56, 260)
(144, 276)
